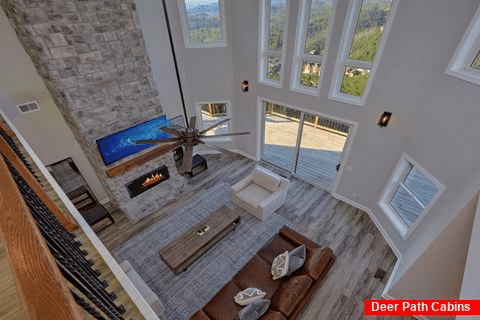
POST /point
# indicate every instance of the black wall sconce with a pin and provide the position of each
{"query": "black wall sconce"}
(245, 86)
(384, 118)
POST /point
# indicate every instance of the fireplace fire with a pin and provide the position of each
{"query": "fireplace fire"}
(147, 181)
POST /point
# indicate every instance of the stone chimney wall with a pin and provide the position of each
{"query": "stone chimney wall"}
(92, 58)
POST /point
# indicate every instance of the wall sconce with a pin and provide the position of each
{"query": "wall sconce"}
(245, 86)
(384, 118)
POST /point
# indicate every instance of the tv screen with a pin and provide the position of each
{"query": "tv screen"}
(122, 144)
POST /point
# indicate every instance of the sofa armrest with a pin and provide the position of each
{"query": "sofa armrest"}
(236, 188)
(296, 239)
(276, 199)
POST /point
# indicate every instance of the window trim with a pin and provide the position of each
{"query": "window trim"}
(342, 60)
(397, 177)
(459, 66)
(263, 52)
(183, 19)
(299, 54)
(200, 125)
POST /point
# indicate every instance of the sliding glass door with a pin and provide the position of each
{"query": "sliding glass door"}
(280, 138)
(307, 145)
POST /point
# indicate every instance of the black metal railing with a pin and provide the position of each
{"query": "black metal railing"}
(70, 258)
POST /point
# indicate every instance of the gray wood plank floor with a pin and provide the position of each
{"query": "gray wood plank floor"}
(359, 246)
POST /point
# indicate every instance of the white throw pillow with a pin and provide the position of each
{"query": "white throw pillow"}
(286, 263)
(266, 179)
(249, 295)
(280, 265)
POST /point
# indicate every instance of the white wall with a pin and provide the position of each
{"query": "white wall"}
(206, 73)
(438, 272)
(45, 130)
(434, 115)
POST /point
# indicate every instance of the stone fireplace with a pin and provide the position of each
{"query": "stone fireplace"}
(91, 56)
(147, 181)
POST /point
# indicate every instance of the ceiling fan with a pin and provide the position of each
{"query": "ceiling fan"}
(189, 137)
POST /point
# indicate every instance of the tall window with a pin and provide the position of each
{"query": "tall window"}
(272, 40)
(361, 45)
(210, 113)
(311, 47)
(465, 63)
(203, 23)
(410, 192)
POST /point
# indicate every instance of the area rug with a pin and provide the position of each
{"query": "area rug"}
(183, 294)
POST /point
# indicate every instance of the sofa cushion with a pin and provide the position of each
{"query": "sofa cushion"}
(291, 294)
(223, 305)
(253, 194)
(254, 310)
(256, 274)
(273, 248)
(318, 261)
(266, 179)
(273, 315)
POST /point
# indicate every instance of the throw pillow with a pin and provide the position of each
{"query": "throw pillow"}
(254, 310)
(296, 259)
(249, 295)
(280, 265)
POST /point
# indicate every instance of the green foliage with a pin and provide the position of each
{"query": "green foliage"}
(365, 44)
(354, 82)
(205, 35)
(278, 15)
(309, 79)
(316, 32)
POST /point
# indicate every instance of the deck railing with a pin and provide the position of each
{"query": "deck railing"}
(310, 119)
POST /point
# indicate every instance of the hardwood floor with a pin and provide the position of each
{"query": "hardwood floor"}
(359, 246)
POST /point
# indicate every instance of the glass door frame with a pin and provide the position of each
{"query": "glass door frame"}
(261, 139)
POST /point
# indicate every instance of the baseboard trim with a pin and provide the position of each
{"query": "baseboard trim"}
(375, 220)
(249, 156)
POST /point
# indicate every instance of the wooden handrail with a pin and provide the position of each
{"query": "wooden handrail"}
(66, 220)
(9, 132)
(43, 289)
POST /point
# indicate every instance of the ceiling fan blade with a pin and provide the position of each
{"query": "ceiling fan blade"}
(193, 120)
(225, 135)
(155, 141)
(223, 150)
(187, 158)
(170, 130)
(215, 125)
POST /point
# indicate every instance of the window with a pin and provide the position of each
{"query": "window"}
(273, 26)
(410, 193)
(203, 23)
(311, 47)
(465, 63)
(361, 46)
(211, 113)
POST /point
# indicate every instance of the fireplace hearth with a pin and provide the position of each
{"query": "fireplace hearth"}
(147, 181)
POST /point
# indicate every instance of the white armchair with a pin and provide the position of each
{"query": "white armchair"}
(260, 193)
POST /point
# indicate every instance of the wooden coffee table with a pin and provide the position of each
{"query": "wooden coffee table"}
(182, 252)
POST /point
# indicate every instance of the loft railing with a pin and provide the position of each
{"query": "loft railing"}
(53, 275)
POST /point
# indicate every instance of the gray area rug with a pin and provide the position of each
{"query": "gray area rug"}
(184, 294)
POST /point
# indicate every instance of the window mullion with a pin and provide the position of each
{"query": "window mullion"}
(358, 63)
(412, 195)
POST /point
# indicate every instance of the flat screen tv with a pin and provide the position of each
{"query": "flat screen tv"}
(122, 144)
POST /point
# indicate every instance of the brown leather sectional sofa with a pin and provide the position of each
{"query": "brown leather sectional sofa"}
(288, 295)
